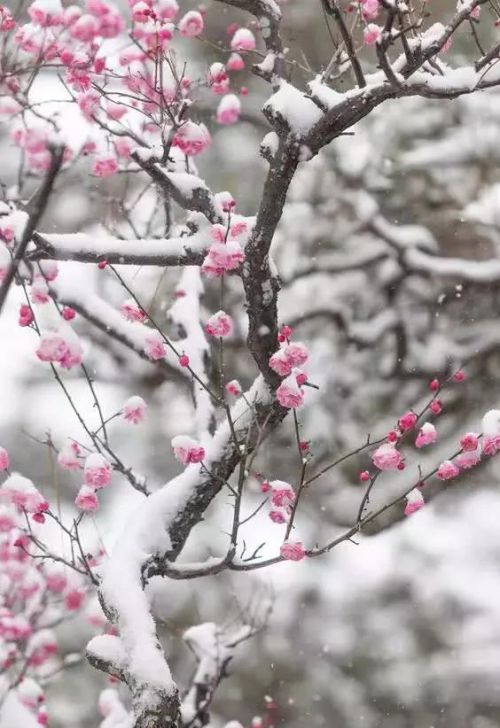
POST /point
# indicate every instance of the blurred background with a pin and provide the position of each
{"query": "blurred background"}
(402, 628)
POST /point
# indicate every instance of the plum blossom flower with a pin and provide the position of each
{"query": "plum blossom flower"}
(369, 9)
(447, 470)
(287, 357)
(40, 291)
(154, 346)
(414, 502)
(187, 450)
(67, 458)
(289, 394)
(387, 457)
(61, 346)
(292, 550)
(97, 471)
(222, 257)
(46, 13)
(134, 409)
(235, 62)
(220, 324)
(279, 515)
(491, 432)
(426, 436)
(74, 598)
(282, 494)
(105, 167)
(4, 459)
(243, 40)
(86, 499)
(469, 458)
(407, 421)
(191, 138)
(191, 24)
(371, 34)
(234, 387)
(229, 109)
(131, 311)
(21, 493)
(469, 441)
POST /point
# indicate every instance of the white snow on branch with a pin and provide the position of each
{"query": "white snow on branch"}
(77, 245)
(298, 111)
(147, 535)
(186, 313)
(480, 271)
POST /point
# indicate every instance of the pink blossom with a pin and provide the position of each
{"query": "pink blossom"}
(141, 12)
(426, 436)
(131, 311)
(86, 499)
(21, 493)
(105, 167)
(88, 103)
(229, 109)
(51, 347)
(154, 346)
(39, 291)
(220, 324)
(187, 450)
(227, 202)
(191, 24)
(74, 598)
(436, 406)
(491, 432)
(387, 457)
(289, 394)
(67, 458)
(371, 34)
(68, 313)
(218, 78)
(46, 13)
(60, 346)
(97, 471)
(475, 13)
(123, 147)
(369, 9)
(289, 356)
(411, 508)
(459, 375)
(243, 40)
(184, 360)
(4, 459)
(469, 458)
(283, 494)
(407, 421)
(167, 9)
(191, 138)
(234, 387)
(8, 519)
(223, 257)
(292, 550)
(134, 410)
(469, 441)
(235, 62)
(55, 580)
(447, 470)
(278, 515)
(85, 28)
